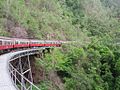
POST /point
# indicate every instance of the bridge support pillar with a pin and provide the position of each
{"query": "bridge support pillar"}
(30, 71)
(21, 71)
(25, 70)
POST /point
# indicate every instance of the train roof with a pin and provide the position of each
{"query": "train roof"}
(4, 38)
(34, 40)
(1, 37)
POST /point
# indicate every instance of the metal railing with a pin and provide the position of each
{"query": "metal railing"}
(18, 78)
(16, 75)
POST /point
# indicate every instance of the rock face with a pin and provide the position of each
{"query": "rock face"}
(15, 29)
(19, 32)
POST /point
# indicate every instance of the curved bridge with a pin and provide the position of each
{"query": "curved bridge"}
(8, 73)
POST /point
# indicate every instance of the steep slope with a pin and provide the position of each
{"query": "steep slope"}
(79, 66)
(41, 19)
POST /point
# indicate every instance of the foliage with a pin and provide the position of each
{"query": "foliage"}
(81, 65)
(91, 66)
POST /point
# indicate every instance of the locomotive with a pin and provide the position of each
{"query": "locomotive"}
(7, 43)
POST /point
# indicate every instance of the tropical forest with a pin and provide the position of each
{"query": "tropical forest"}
(90, 60)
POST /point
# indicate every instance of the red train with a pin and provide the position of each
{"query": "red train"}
(12, 43)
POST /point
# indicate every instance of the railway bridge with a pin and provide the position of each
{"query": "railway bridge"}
(13, 77)
(15, 68)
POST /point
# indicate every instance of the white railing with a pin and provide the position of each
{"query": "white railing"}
(17, 77)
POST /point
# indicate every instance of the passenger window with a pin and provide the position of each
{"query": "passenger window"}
(5, 43)
(0, 43)
(16, 42)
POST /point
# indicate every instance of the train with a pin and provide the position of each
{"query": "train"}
(7, 43)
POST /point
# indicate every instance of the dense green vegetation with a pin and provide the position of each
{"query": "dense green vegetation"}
(94, 66)
(93, 62)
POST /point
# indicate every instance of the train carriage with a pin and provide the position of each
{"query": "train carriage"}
(21, 43)
(52, 43)
(6, 43)
(37, 43)
(15, 43)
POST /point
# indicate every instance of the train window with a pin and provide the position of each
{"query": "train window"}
(16, 42)
(0, 42)
(21, 42)
(5, 43)
(8, 43)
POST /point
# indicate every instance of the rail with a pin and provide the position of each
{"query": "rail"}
(17, 77)
(14, 75)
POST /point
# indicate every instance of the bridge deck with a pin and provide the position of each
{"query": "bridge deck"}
(5, 80)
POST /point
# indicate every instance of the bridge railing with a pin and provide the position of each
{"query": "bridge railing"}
(18, 78)
(24, 54)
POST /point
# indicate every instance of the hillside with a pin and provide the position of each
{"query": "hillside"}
(38, 18)
(93, 63)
